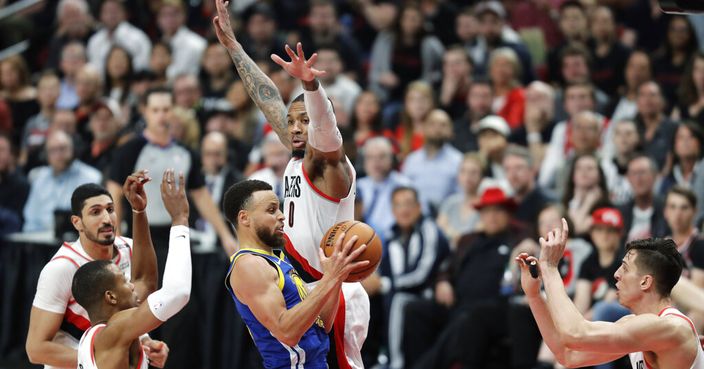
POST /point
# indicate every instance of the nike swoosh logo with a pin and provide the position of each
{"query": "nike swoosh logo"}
(181, 236)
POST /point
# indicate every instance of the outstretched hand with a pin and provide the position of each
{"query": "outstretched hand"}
(174, 197)
(552, 246)
(133, 188)
(223, 28)
(299, 67)
(342, 262)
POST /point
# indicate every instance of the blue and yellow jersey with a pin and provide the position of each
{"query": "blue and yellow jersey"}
(312, 349)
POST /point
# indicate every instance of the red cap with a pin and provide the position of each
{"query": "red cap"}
(495, 196)
(608, 217)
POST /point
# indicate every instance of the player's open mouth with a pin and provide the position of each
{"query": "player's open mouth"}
(107, 230)
(298, 143)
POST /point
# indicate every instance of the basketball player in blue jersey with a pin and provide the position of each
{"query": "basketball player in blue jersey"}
(319, 179)
(655, 336)
(288, 323)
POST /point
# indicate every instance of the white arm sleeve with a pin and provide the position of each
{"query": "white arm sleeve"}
(323, 134)
(176, 288)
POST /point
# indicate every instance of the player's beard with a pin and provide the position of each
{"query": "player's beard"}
(95, 237)
(273, 240)
(298, 153)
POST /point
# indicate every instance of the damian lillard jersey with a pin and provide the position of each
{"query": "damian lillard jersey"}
(86, 351)
(638, 359)
(309, 214)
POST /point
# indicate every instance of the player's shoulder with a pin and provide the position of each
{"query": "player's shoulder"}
(121, 241)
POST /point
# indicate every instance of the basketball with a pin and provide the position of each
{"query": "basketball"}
(365, 235)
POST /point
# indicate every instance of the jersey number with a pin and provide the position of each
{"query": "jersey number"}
(291, 207)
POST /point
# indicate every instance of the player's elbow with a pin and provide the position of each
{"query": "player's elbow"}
(568, 359)
(34, 352)
(288, 339)
(572, 338)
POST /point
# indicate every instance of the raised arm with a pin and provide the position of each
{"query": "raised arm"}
(259, 86)
(127, 325)
(145, 274)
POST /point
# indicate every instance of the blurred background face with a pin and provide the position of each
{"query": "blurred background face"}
(261, 28)
(455, 64)
(603, 26)
(417, 104)
(5, 154)
(73, 20)
(637, 69)
(378, 160)
(329, 61)
(679, 214)
(160, 59)
(64, 120)
(575, 69)
(111, 14)
(73, 58)
(437, 128)
(502, 71)
(237, 95)
(169, 19)
(367, 107)
(605, 238)
(469, 176)
(411, 21)
(87, 84)
(276, 155)
(479, 99)
(549, 219)
(102, 124)
(157, 112)
(586, 133)
(586, 173)
(186, 92)
(491, 26)
(118, 63)
(216, 61)
(214, 153)
(495, 219)
(686, 144)
(466, 27)
(9, 76)
(322, 19)
(491, 142)
(59, 149)
(678, 33)
(578, 99)
(649, 99)
(641, 176)
(48, 91)
(405, 208)
(518, 173)
(626, 137)
(572, 22)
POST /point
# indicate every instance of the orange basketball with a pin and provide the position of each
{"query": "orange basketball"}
(365, 235)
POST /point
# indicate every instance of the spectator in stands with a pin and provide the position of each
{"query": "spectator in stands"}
(17, 90)
(216, 73)
(104, 124)
(224, 120)
(160, 61)
(73, 58)
(418, 103)
(575, 62)
(52, 185)
(365, 119)
(433, 168)
(670, 62)
(609, 55)
(187, 46)
(14, 189)
(687, 154)
(260, 38)
(626, 143)
(505, 73)
(376, 187)
(441, 16)
(680, 209)
(656, 130)
(187, 92)
(457, 70)
(118, 75)
(405, 54)
(479, 102)
(89, 87)
(457, 215)
(520, 174)
(643, 214)
(249, 119)
(638, 71)
(494, 34)
(538, 121)
(324, 28)
(275, 157)
(691, 92)
(574, 25)
(37, 127)
(467, 32)
(185, 128)
(585, 189)
(414, 250)
(117, 31)
(492, 134)
(74, 24)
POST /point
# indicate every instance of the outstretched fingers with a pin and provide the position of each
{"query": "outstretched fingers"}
(277, 59)
(290, 53)
(299, 49)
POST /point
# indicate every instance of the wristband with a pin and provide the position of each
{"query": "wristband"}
(138, 212)
(534, 137)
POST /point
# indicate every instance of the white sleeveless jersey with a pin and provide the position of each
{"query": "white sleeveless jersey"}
(54, 288)
(86, 352)
(310, 213)
(638, 359)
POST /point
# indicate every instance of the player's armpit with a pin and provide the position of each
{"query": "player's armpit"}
(633, 333)
(126, 326)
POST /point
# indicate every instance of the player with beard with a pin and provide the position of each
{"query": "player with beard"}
(319, 180)
(288, 323)
(57, 321)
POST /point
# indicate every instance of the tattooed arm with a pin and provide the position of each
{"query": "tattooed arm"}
(259, 87)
